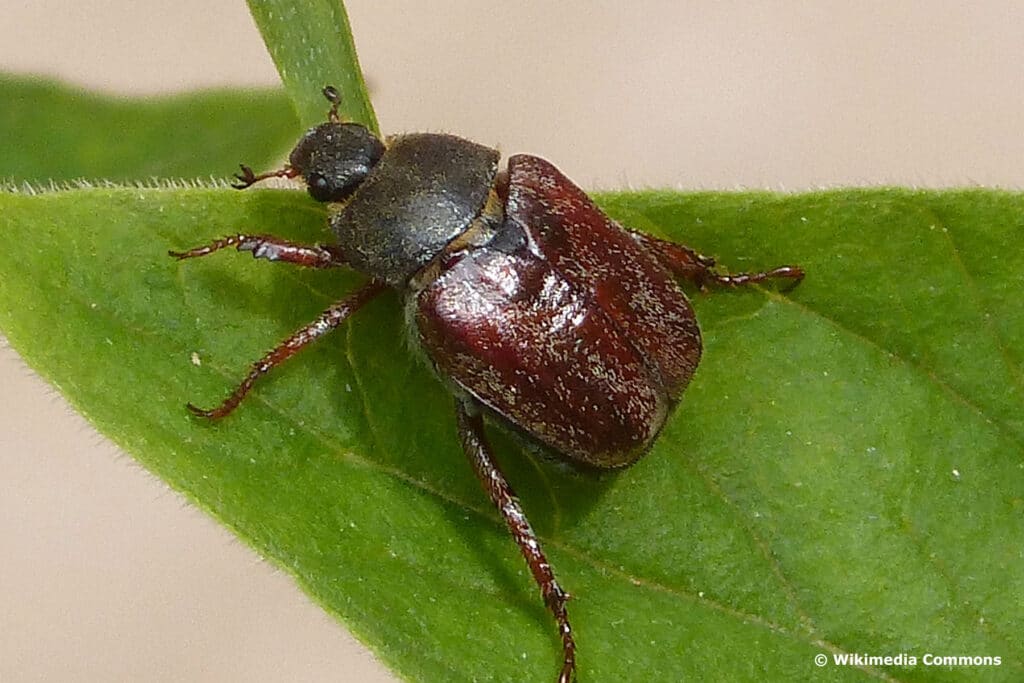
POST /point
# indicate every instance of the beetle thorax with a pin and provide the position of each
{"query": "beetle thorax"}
(425, 191)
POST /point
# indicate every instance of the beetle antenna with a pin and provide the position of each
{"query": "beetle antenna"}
(334, 97)
(247, 177)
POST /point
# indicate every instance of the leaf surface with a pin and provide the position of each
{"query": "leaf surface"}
(311, 45)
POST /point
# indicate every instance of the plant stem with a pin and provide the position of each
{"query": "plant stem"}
(311, 45)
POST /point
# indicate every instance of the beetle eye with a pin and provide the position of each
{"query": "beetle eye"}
(319, 188)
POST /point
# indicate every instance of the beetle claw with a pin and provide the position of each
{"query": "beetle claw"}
(795, 274)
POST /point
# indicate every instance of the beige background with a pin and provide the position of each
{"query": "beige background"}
(107, 575)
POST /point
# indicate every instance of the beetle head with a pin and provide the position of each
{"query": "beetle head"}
(334, 158)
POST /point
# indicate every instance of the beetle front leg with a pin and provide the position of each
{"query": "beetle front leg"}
(271, 248)
(325, 322)
(690, 265)
(474, 443)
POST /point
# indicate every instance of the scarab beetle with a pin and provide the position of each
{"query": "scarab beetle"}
(533, 306)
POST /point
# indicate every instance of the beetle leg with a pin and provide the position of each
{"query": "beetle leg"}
(684, 262)
(272, 249)
(793, 273)
(474, 443)
(325, 322)
(690, 265)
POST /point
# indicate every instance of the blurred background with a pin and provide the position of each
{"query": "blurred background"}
(108, 575)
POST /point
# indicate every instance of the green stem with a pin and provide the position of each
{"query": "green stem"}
(311, 45)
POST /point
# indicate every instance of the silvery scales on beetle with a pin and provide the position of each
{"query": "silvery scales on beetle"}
(534, 308)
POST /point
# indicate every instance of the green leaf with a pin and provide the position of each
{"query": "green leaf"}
(843, 475)
(312, 46)
(53, 132)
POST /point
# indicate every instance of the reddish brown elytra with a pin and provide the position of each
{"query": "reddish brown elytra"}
(532, 303)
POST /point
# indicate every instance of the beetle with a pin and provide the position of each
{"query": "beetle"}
(534, 308)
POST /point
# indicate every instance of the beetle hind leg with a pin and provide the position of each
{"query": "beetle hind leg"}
(690, 265)
(478, 450)
(793, 273)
